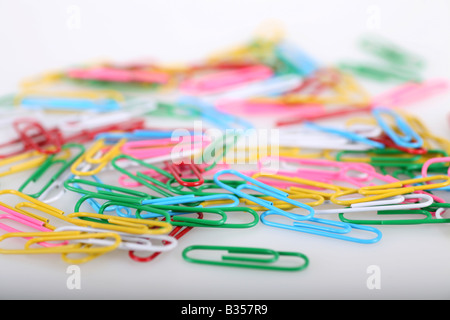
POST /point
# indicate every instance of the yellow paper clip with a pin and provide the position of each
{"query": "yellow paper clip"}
(306, 182)
(367, 198)
(415, 184)
(284, 205)
(373, 193)
(29, 160)
(89, 157)
(87, 94)
(66, 247)
(120, 224)
(94, 220)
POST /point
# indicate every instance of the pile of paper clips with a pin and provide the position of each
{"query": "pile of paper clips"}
(71, 131)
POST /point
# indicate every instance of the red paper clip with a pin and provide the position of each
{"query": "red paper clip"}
(35, 136)
(384, 139)
(177, 172)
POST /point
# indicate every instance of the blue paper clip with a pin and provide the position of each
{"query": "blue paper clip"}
(143, 135)
(410, 138)
(340, 232)
(296, 59)
(209, 112)
(189, 199)
(192, 198)
(346, 134)
(104, 105)
(264, 189)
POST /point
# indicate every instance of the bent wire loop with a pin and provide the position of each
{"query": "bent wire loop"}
(324, 227)
(264, 189)
(267, 261)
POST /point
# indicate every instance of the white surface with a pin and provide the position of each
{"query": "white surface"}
(413, 259)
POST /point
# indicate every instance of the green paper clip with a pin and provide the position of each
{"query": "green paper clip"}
(268, 262)
(52, 160)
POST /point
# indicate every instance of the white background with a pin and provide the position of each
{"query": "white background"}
(413, 260)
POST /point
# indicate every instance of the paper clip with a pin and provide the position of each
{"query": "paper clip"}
(391, 53)
(30, 130)
(119, 75)
(225, 80)
(409, 184)
(270, 257)
(177, 233)
(128, 241)
(10, 214)
(102, 221)
(330, 228)
(102, 101)
(120, 224)
(428, 219)
(408, 139)
(32, 159)
(431, 161)
(144, 179)
(70, 104)
(410, 92)
(51, 161)
(146, 149)
(264, 189)
(75, 185)
(40, 237)
(309, 186)
(176, 171)
(88, 157)
(295, 58)
(346, 134)
(273, 86)
(383, 204)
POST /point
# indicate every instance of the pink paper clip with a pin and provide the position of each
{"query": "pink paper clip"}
(271, 109)
(410, 93)
(429, 162)
(330, 171)
(146, 149)
(120, 75)
(224, 80)
(25, 221)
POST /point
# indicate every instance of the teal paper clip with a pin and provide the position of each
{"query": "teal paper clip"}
(408, 137)
(105, 105)
(324, 227)
(266, 190)
(296, 59)
(346, 134)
